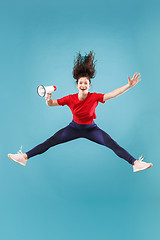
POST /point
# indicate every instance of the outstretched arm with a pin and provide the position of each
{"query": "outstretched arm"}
(131, 82)
(49, 101)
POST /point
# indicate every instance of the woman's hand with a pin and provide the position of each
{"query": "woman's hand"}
(48, 96)
(135, 79)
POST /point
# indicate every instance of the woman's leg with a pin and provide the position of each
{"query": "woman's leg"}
(97, 135)
(66, 134)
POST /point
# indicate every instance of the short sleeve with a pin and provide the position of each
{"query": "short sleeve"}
(99, 97)
(64, 100)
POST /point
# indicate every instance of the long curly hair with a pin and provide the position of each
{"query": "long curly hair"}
(84, 66)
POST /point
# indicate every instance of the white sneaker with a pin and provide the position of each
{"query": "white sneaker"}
(139, 165)
(18, 157)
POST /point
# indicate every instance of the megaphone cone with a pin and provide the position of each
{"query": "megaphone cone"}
(42, 91)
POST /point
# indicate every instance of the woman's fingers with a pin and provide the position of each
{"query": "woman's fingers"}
(48, 96)
(138, 75)
(134, 75)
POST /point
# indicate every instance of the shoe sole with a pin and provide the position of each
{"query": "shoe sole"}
(16, 161)
(143, 168)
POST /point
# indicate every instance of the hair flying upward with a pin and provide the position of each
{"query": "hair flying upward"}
(84, 66)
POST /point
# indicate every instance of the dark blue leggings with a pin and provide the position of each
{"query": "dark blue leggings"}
(74, 131)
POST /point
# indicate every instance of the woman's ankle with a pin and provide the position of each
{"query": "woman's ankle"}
(25, 156)
(134, 162)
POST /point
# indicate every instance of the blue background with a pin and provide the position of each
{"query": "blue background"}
(79, 190)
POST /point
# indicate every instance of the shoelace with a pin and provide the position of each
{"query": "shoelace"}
(20, 151)
(141, 158)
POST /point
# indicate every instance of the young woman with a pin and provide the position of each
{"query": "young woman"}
(82, 105)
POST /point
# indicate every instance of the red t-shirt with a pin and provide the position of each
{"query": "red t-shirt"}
(83, 111)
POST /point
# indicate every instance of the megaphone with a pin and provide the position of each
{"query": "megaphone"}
(42, 91)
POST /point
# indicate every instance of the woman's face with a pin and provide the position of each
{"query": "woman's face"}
(83, 85)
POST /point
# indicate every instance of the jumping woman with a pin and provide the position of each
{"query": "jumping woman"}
(82, 105)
